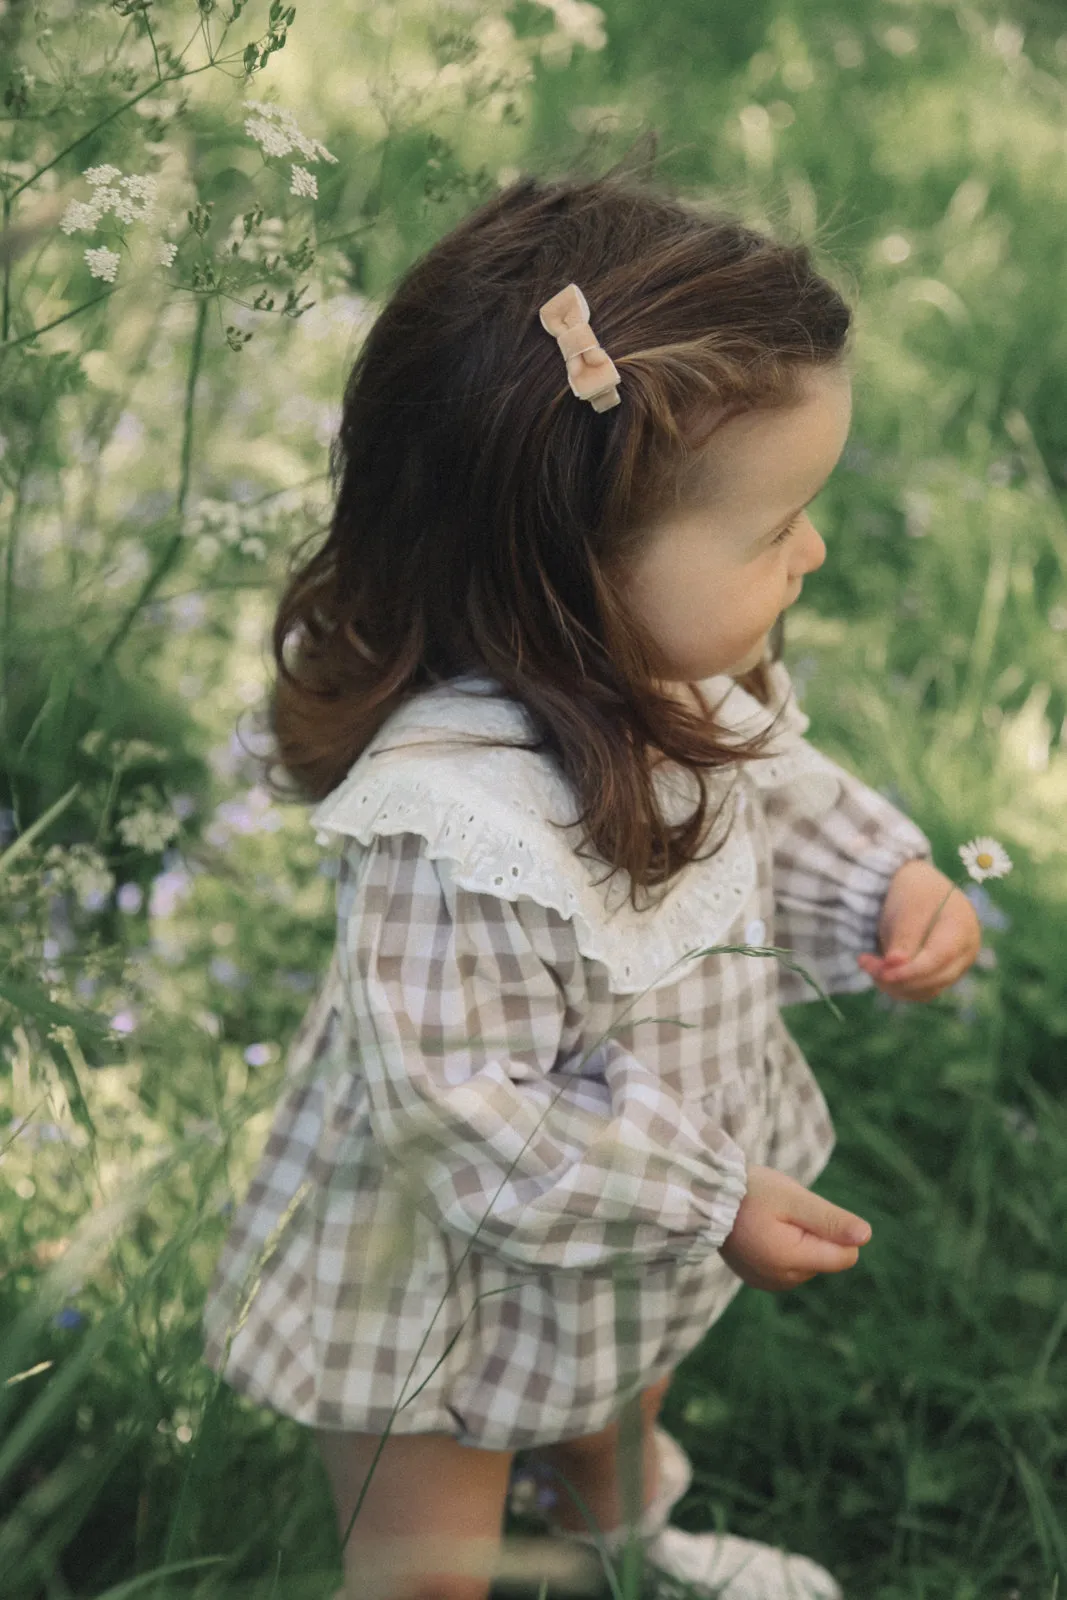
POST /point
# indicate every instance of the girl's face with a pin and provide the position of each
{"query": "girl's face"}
(712, 582)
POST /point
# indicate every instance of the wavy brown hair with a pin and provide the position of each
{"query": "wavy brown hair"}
(485, 519)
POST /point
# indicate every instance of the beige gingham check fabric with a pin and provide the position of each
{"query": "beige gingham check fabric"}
(502, 1240)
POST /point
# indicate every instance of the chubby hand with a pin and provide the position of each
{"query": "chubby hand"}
(783, 1234)
(904, 972)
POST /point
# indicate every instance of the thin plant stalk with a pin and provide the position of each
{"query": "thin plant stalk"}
(173, 546)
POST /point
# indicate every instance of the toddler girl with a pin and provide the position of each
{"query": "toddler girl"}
(539, 678)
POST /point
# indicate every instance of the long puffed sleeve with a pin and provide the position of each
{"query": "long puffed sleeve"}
(456, 1027)
(831, 876)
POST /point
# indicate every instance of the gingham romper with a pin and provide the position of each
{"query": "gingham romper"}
(455, 1213)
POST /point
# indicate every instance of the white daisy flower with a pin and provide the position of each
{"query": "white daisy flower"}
(985, 858)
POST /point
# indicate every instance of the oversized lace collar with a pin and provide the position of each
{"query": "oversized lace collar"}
(485, 816)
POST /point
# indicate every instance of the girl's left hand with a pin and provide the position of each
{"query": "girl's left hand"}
(915, 892)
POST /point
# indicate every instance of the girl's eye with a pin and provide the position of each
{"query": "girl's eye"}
(780, 539)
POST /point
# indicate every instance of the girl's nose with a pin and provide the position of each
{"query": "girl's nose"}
(815, 550)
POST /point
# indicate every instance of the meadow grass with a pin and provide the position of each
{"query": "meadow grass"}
(903, 1423)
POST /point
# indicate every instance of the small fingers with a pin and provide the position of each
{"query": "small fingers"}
(910, 980)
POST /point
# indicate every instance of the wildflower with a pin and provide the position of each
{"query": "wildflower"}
(123, 205)
(69, 1317)
(79, 217)
(103, 263)
(96, 176)
(989, 915)
(109, 198)
(129, 898)
(82, 869)
(283, 136)
(148, 830)
(279, 137)
(225, 972)
(532, 1489)
(304, 182)
(37, 1133)
(299, 982)
(131, 198)
(985, 858)
(168, 890)
(579, 23)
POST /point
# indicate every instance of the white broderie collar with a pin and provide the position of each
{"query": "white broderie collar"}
(483, 815)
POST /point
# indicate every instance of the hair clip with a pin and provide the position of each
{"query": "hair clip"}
(591, 372)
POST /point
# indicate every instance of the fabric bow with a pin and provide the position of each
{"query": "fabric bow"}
(591, 373)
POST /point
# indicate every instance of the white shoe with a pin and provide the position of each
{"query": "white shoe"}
(730, 1568)
(718, 1566)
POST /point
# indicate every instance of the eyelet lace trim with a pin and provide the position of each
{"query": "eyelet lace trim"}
(483, 814)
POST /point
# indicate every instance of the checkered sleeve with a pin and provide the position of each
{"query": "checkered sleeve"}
(500, 1140)
(831, 876)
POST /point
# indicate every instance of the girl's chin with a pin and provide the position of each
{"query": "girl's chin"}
(753, 659)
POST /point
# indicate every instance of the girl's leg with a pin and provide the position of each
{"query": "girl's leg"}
(431, 1518)
(591, 1465)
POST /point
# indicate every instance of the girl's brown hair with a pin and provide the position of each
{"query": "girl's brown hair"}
(485, 518)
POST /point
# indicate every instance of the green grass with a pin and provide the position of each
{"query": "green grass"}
(902, 1423)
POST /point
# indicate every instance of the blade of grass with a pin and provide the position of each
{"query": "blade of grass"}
(26, 838)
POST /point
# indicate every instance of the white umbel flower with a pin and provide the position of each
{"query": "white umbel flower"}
(304, 182)
(102, 263)
(148, 830)
(985, 858)
(277, 138)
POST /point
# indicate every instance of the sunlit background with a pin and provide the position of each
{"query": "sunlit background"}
(172, 362)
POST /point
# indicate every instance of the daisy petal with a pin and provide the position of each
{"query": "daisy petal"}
(985, 857)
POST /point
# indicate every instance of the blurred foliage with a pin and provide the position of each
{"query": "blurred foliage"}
(165, 418)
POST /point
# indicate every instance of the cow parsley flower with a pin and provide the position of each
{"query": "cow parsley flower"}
(281, 135)
(148, 830)
(131, 197)
(103, 263)
(79, 217)
(284, 136)
(136, 204)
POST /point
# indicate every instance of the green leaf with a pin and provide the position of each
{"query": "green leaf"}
(68, 1074)
(26, 838)
(33, 1000)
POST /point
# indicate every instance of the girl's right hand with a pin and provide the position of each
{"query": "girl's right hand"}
(783, 1234)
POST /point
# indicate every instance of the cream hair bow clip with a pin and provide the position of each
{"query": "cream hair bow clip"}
(591, 372)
